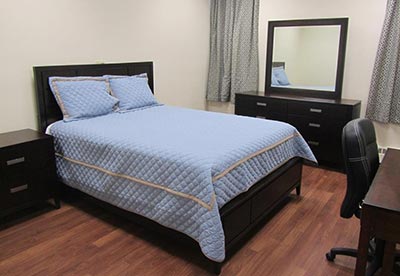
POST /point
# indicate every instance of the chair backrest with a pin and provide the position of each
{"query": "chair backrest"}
(361, 156)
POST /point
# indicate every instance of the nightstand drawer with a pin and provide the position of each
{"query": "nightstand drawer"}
(16, 176)
(17, 195)
(38, 186)
(317, 110)
(27, 170)
(30, 155)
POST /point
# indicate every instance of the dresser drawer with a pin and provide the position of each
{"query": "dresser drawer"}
(261, 107)
(319, 128)
(326, 151)
(266, 105)
(317, 110)
(274, 116)
(245, 106)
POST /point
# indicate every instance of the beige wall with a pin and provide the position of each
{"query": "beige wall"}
(310, 54)
(366, 19)
(172, 33)
(284, 39)
(318, 62)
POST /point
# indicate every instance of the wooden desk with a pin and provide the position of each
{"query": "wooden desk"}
(380, 216)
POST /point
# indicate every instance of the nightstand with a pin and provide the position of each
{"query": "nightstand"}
(27, 170)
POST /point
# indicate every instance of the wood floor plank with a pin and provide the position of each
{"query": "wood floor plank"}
(83, 239)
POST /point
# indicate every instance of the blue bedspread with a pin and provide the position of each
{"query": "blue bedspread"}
(175, 166)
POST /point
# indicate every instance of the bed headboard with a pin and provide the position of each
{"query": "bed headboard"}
(278, 64)
(48, 110)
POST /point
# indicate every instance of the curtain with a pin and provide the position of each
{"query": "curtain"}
(233, 63)
(384, 96)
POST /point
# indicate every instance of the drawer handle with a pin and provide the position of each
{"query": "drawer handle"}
(15, 161)
(314, 125)
(315, 110)
(313, 143)
(19, 189)
(261, 104)
(261, 117)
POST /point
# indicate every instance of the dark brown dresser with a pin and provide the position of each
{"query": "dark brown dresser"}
(320, 121)
(27, 170)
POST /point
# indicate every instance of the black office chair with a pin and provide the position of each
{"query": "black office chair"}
(361, 159)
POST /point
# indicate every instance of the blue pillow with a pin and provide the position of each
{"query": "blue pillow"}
(280, 75)
(274, 80)
(132, 91)
(83, 97)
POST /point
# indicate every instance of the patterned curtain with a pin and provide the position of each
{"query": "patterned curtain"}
(233, 49)
(384, 96)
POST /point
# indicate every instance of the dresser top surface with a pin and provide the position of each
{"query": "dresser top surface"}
(300, 98)
(19, 137)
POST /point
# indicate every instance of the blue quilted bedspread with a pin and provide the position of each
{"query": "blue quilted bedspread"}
(175, 166)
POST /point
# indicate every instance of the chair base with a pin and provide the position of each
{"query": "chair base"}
(372, 268)
(331, 255)
(375, 255)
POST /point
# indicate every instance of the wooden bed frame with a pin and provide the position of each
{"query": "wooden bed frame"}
(239, 216)
(278, 64)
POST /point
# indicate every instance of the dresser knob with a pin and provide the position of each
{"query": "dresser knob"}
(15, 161)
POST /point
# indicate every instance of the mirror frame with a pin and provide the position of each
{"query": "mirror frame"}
(337, 94)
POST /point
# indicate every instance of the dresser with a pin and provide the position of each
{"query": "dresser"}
(319, 121)
(27, 170)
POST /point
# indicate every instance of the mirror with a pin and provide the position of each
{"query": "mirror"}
(306, 57)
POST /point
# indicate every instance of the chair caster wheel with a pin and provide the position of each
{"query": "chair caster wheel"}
(330, 257)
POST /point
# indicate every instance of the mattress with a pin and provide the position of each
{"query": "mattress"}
(175, 166)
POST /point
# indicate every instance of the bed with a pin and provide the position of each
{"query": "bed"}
(212, 189)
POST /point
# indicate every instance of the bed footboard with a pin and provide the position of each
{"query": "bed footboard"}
(245, 212)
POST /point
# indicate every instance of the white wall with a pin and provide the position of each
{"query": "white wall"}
(366, 19)
(172, 33)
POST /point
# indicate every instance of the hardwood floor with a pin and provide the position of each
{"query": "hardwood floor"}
(83, 239)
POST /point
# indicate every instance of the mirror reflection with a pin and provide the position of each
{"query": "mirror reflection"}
(305, 57)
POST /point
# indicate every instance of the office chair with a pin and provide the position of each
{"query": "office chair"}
(361, 158)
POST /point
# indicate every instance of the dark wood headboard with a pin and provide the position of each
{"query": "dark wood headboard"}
(48, 110)
(278, 64)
